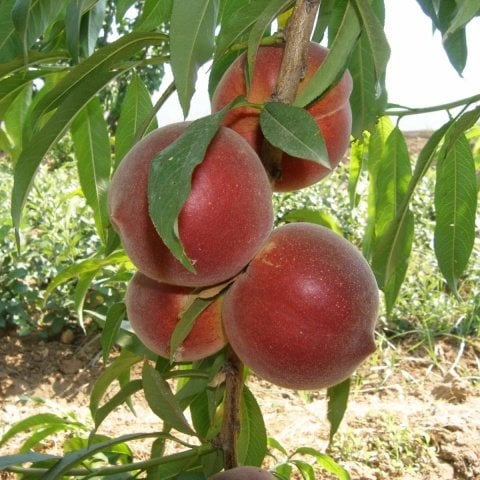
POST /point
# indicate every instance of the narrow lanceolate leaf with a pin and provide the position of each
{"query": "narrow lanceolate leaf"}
(91, 26)
(192, 34)
(325, 461)
(466, 10)
(336, 61)
(374, 31)
(455, 206)
(113, 321)
(162, 401)
(368, 97)
(169, 179)
(116, 369)
(80, 294)
(92, 151)
(20, 16)
(271, 10)
(70, 95)
(136, 108)
(394, 174)
(252, 440)
(358, 155)
(20, 458)
(73, 18)
(10, 45)
(185, 325)
(393, 241)
(237, 20)
(337, 405)
(154, 14)
(293, 130)
(455, 44)
(34, 58)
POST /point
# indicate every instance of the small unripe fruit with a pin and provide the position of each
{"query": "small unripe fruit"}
(243, 473)
(331, 112)
(224, 221)
(154, 310)
(303, 313)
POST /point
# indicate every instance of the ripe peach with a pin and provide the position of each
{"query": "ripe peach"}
(303, 313)
(225, 220)
(154, 310)
(331, 112)
(243, 473)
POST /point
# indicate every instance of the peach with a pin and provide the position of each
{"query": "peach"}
(303, 313)
(243, 473)
(154, 310)
(331, 112)
(226, 218)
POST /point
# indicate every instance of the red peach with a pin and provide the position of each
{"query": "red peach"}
(154, 310)
(224, 221)
(331, 112)
(302, 315)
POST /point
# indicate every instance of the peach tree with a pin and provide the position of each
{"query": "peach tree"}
(218, 287)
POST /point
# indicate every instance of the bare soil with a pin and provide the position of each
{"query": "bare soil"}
(413, 414)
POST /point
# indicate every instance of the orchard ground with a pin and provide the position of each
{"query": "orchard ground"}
(414, 412)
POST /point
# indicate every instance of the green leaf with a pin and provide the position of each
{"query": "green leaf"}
(91, 26)
(393, 241)
(14, 119)
(81, 84)
(455, 207)
(336, 61)
(122, 7)
(73, 18)
(93, 154)
(271, 10)
(80, 293)
(34, 58)
(238, 18)
(121, 364)
(466, 10)
(162, 401)
(20, 458)
(93, 264)
(169, 179)
(136, 108)
(306, 470)
(319, 217)
(20, 17)
(192, 34)
(121, 397)
(294, 130)
(325, 461)
(393, 177)
(72, 459)
(455, 44)
(376, 145)
(10, 45)
(358, 158)
(115, 315)
(252, 440)
(337, 405)
(154, 14)
(34, 422)
(186, 323)
(368, 97)
(374, 31)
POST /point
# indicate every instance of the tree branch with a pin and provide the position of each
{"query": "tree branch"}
(292, 70)
(231, 410)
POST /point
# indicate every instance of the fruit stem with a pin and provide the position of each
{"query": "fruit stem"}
(233, 370)
(292, 70)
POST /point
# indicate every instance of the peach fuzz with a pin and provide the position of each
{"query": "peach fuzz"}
(303, 314)
(154, 310)
(331, 112)
(226, 218)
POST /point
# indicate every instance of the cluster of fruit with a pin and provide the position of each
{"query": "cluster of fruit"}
(301, 302)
